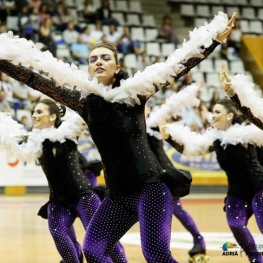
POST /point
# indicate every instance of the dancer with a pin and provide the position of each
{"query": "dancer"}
(115, 116)
(53, 143)
(236, 153)
(171, 108)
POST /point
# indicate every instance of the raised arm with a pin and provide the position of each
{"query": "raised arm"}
(240, 90)
(173, 106)
(187, 142)
(68, 97)
(202, 42)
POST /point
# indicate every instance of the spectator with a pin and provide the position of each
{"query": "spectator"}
(167, 31)
(46, 36)
(96, 34)
(104, 14)
(43, 13)
(70, 35)
(113, 35)
(4, 104)
(22, 96)
(80, 51)
(86, 35)
(143, 61)
(126, 44)
(25, 122)
(7, 86)
(35, 4)
(28, 23)
(89, 11)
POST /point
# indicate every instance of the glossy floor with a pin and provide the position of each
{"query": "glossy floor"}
(24, 236)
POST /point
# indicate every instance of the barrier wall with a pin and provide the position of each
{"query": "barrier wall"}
(205, 169)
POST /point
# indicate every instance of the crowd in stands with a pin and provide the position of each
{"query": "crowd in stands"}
(60, 26)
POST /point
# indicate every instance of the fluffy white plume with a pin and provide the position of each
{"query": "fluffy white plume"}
(24, 52)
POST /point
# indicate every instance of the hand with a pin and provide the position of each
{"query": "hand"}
(222, 36)
(162, 129)
(225, 80)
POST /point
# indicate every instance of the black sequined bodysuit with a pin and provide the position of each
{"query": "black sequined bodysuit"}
(60, 164)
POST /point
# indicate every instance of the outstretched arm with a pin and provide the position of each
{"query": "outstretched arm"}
(202, 42)
(70, 98)
(185, 141)
(240, 90)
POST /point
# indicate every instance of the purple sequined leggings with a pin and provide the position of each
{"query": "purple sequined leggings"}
(238, 213)
(153, 207)
(188, 222)
(60, 221)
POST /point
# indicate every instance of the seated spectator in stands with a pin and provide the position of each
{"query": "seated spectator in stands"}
(25, 122)
(46, 36)
(4, 104)
(234, 38)
(80, 51)
(22, 96)
(126, 45)
(88, 10)
(51, 5)
(7, 86)
(97, 33)
(104, 14)
(34, 4)
(143, 61)
(28, 23)
(43, 13)
(85, 34)
(10, 7)
(70, 35)
(113, 35)
(167, 31)
(58, 17)
(70, 17)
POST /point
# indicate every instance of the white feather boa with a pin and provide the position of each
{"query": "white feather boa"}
(198, 144)
(173, 106)
(24, 52)
(30, 150)
(248, 97)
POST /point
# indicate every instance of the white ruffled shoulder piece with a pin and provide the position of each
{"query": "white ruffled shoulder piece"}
(248, 97)
(24, 52)
(243, 134)
(173, 106)
(194, 143)
(31, 149)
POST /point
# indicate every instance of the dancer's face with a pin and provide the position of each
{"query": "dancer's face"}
(42, 118)
(102, 65)
(222, 120)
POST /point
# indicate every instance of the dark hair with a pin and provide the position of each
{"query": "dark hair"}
(230, 108)
(53, 108)
(108, 46)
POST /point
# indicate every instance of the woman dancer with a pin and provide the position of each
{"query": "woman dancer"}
(132, 172)
(237, 156)
(186, 98)
(53, 143)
